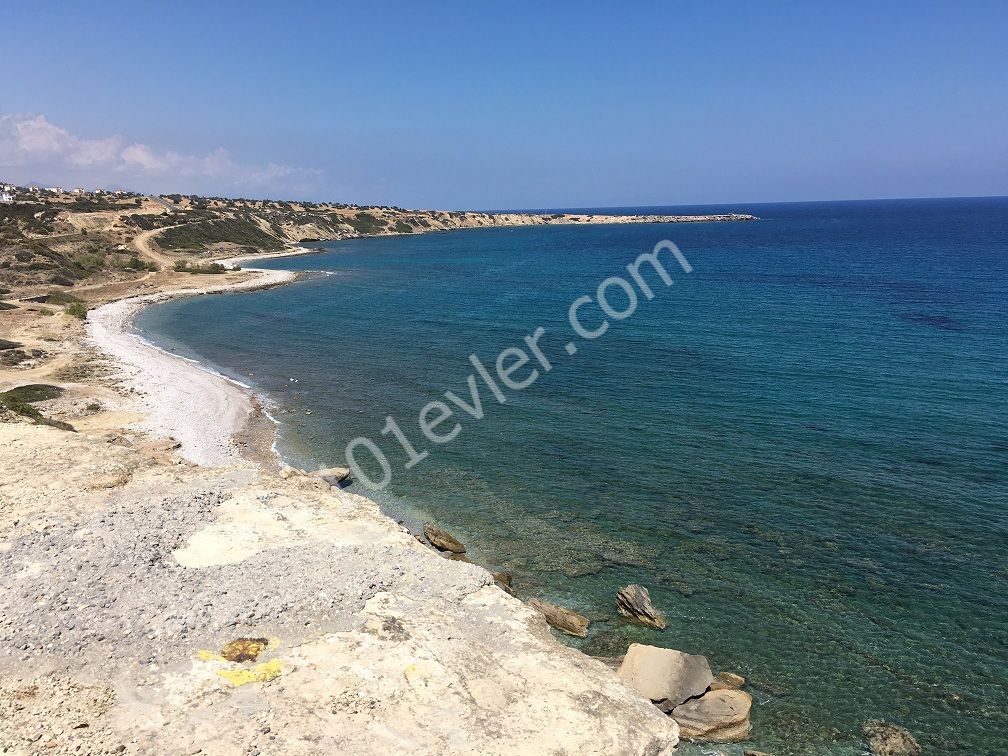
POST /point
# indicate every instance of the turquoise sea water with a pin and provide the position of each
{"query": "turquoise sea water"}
(800, 447)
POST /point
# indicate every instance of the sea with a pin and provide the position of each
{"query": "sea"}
(800, 446)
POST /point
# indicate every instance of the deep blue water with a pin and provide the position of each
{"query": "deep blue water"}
(800, 447)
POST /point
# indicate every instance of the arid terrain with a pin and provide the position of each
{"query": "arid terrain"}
(74, 238)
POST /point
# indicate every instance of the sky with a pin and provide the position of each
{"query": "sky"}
(509, 105)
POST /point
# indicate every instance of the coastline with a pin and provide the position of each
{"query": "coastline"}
(174, 543)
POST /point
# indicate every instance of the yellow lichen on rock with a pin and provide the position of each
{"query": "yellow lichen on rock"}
(261, 673)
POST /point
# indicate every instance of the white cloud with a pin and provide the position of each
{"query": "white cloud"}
(31, 143)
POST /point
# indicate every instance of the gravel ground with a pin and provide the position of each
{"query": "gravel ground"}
(110, 644)
(76, 608)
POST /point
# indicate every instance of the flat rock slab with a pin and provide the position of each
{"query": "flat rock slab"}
(721, 716)
(664, 674)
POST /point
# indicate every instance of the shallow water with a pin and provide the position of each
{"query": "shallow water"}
(800, 447)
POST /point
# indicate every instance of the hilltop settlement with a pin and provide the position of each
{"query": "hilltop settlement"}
(168, 586)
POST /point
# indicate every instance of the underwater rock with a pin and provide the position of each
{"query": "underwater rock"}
(887, 739)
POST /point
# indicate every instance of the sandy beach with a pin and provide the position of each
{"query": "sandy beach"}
(178, 397)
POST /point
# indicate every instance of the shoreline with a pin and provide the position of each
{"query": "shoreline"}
(196, 406)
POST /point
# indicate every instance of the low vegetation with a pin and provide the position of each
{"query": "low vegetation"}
(204, 233)
(55, 296)
(22, 400)
(363, 223)
(184, 266)
(34, 217)
(97, 259)
(70, 256)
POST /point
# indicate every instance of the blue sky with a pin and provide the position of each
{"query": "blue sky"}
(493, 105)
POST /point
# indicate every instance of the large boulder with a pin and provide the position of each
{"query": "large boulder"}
(634, 601)
(887, 739)
(564, 620)
(442, 539)
(664, 674)
(721, 716)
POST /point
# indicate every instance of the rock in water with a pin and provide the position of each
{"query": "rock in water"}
(441, 539)
(727, 681)
(334, 476)
(721, 716)
(887, 739)
(664, 674)
(564, 620)
(633, 601)
(503, 579)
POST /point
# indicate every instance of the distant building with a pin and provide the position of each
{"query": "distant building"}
(79, 190)
(6, 197)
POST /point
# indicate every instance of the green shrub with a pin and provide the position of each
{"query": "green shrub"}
(77, 310)
(211, 268)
